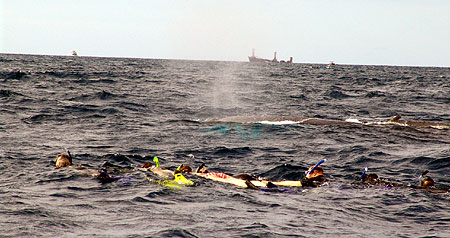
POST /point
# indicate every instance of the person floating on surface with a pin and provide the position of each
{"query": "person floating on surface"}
(314, 176)
(63, 160)
(169, 178)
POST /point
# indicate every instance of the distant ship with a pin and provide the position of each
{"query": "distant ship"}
(253, 58)
(74, 53)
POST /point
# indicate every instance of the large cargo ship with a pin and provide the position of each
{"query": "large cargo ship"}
(253, 58)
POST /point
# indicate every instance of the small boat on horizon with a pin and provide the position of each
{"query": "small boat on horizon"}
(74, 53)
(331, 65)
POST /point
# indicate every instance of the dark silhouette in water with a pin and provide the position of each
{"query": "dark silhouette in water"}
(372, 179)
(104, 177)
(418, 124)
(16, 75)
(319, 121)
(426, 183)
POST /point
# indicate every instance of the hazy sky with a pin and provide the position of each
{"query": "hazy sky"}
(388, 32)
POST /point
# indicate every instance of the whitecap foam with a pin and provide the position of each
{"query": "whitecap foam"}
(353, 120)
(279, 122)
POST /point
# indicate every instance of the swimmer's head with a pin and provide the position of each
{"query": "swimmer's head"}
(185, 168)
(104, 177)
(202, 169)
(102, 173)
(318, 171)
(427, 182)
(371, 178)
(62, 160)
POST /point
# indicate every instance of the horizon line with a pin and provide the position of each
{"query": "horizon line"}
(215, 60)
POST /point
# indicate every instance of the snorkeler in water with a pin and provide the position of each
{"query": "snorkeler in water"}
(246, 180)
(315, 179)
(65, 160)
(168, 177)
(161, 172)
(314, 176)
(104, 177)
(240, 180)
(164, 173)
(372, 179)
(425, 182)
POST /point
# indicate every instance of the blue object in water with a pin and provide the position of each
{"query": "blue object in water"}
(364, 173)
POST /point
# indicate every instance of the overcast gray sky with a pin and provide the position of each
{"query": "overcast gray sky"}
(387, 32)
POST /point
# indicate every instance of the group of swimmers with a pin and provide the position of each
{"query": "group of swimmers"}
(314, 177)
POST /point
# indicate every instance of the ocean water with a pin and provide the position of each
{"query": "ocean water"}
(118, 113)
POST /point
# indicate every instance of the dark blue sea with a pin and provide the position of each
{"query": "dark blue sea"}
(118, 113)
